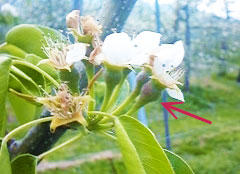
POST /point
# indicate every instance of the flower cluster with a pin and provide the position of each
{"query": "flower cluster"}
(118, 54)
(120, 50)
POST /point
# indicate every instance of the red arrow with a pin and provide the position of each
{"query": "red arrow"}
(168, 106)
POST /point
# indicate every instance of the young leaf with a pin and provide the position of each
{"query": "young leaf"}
(37, 77)
(5, 64)
(30, 38)
(34, 59)
(24, 164)
(17, 85)
(32, 88)
(27, 37)
(12, 50)
(18, 72)
(179, 165)
(142, 154)
(54, 34)
(23, 110)
(5, 165)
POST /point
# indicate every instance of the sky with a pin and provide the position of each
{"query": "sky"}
(216, 8)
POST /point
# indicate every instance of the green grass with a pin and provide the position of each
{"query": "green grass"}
(209, 149)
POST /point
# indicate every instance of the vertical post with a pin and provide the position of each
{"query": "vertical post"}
(166, 123)
(188, 43)
(141, 113)
(176, 23)
(227, 11)
(164, 93)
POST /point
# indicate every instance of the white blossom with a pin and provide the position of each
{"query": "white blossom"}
(117, 49)
(120, 50)
(167, 59)
(62, 55)
(76, 52)
(145, 43)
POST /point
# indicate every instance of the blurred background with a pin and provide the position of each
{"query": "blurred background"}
(211, 32)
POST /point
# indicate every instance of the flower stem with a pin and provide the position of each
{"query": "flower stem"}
(108, 135)
(91, 79)
(20, 128)
(41, 156)
(102, 114)
(115, 94)
(126, 102)
(108, 94)
(133, 109)
(112, 77)
(37, 69)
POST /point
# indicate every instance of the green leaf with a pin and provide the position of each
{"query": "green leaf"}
(27, 37)
(179, 165)
(5, 165)
(24, 164)
(5, 64)
(33, 89)
(23, 110)
(36, 76)
(54, 34)
(20, 73)
(141, 151)
(30, 38)
(31, 58)
(12, 50)
(17, 85)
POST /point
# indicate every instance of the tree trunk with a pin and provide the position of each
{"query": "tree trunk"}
(114, 15)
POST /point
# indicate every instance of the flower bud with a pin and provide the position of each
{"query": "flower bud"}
(73, 20)
(141, 79)
(90, 26)
(150, 92)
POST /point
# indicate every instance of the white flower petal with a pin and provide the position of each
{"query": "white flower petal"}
(76, 53)
(118, 49)
(175, 93)
(140, 59)
(147, 41)
(169, 56)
